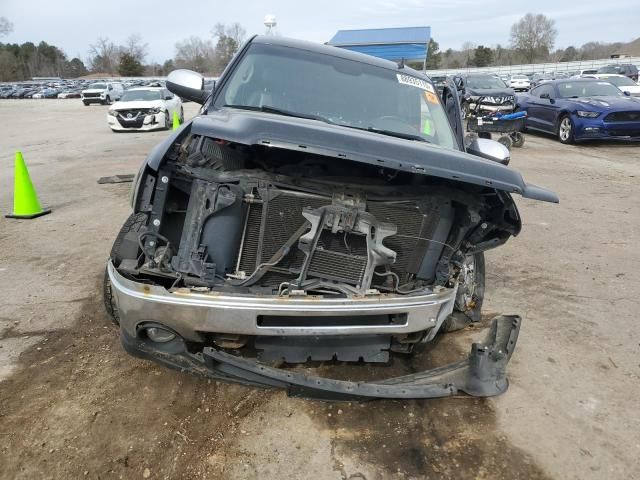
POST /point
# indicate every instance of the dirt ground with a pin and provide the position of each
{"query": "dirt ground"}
(74, 405)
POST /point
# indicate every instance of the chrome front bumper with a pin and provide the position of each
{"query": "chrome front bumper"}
(191, 313)
(491, 108)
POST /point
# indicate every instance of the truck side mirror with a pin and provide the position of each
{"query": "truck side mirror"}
(187, 84)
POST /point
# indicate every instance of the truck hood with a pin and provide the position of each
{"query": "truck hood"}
(258, 128)
(94, 90)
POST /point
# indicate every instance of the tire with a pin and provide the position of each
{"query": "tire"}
(86, 104)
(506, 141)
(135, 223)
(470, 296)
(565, 129)
(517, 139)
(109, 302)
(486, 135)
(167, 122)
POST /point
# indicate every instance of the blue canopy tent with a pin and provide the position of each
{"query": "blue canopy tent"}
(394, 44)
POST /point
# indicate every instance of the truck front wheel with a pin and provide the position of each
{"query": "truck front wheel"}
(135, 223)
(470, 296)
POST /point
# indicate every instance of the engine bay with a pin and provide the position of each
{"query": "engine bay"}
(223, 216)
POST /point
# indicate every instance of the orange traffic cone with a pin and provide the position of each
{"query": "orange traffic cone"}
(25, 200)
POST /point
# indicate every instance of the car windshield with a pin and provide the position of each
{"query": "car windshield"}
(610, 69)
(485, 81)
(621, 81)
(354, 94)
(140, 95)
(519, 77)
(98, 86)
(588, 89)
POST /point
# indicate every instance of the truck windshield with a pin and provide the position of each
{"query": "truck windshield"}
(98, 86)
(345, 92)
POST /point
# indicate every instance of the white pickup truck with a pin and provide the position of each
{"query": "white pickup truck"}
(102, 92)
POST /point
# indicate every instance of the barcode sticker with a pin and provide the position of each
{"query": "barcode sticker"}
(415, 82)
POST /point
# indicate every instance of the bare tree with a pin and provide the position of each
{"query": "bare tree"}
(533, 36)
(229, 39)
(136, 47)
(467, 51)
(104, 56)
(6, 27)
(196, 54)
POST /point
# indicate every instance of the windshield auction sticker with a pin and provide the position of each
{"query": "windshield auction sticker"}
(430, 97)
(415, 82)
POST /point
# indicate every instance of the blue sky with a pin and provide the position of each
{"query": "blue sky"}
(73, 25)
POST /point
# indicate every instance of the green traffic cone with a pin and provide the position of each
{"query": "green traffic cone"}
(176, 121)
(25, 199)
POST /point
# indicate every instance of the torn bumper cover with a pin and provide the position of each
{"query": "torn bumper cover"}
(482, 374)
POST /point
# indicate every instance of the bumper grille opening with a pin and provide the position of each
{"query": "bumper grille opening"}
(633, 116)
(333, 321)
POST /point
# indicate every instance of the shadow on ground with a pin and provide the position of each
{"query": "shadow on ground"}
(78, 406)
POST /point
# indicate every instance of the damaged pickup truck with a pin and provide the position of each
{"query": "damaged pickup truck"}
(324, 206)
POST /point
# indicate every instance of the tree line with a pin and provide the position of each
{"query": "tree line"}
(531, 40)
(206, 55)
(19, 62)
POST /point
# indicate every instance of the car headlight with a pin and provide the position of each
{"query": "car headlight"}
(585, 114)
(113, 113)
(154, 110)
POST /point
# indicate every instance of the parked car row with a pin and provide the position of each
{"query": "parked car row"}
(523, 82)
(68, 88)
(136, 105)
(592, 106)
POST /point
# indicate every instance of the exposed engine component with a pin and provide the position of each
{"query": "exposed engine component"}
(284, 223)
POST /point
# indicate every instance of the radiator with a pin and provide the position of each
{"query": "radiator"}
(340, 257)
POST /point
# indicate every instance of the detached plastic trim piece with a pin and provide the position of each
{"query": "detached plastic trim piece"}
(482, 374)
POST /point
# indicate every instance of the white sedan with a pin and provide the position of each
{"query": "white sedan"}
(145, 108)
(520, 83)
(623, 82)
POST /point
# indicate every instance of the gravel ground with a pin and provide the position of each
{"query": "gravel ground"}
(73, 404)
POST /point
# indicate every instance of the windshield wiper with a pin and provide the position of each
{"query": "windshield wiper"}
(391, 133)
(279, 111)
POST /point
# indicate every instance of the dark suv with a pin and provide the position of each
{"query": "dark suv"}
(320, 208)
(626, 69)
(483, 93)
